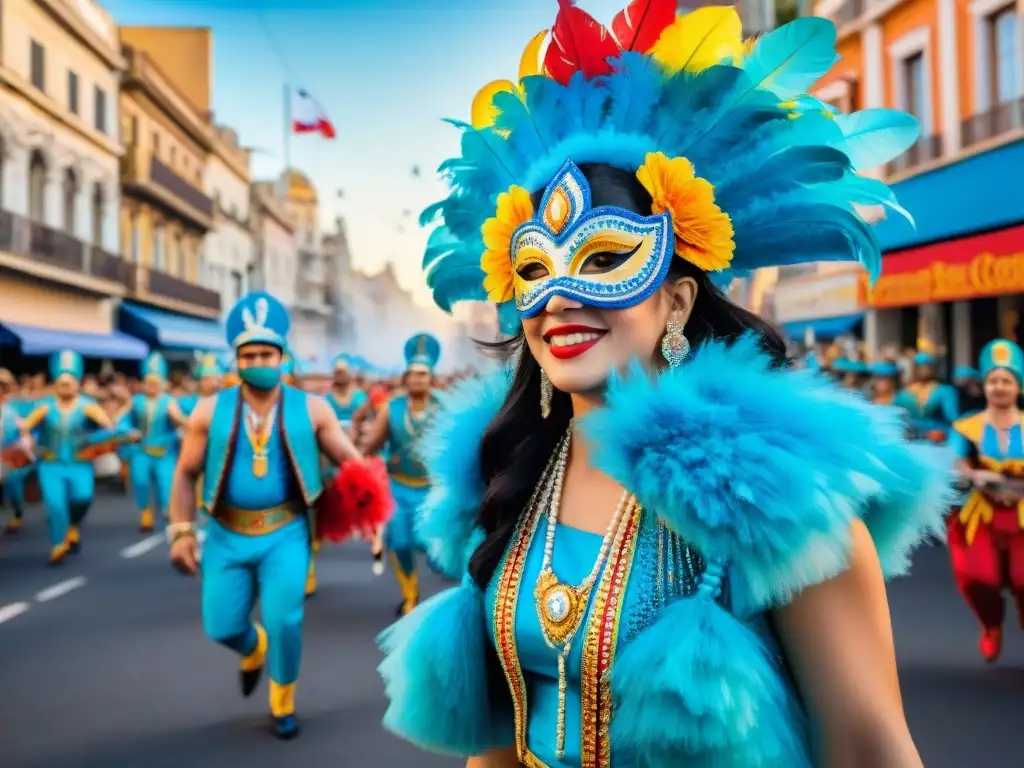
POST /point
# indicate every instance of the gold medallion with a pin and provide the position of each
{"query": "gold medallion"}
(260, 465)
(560, 607)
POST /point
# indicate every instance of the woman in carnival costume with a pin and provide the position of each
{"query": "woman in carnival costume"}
(158, 418)
(986, 538)
(677, 561)
(931, 406)
(257, 448)
(67, 423)
(399, 426)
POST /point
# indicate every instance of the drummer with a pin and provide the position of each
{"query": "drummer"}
(986, 538)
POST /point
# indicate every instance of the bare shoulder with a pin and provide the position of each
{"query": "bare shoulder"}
(203, 414)
(319, 409)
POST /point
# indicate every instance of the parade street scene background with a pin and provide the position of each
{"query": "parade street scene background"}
(160, 160)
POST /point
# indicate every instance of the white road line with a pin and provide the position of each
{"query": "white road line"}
(60, 589)
(12, 610)
(142, 547)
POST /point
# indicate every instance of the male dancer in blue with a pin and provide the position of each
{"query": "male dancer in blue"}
(157, 416)
(11, 410)
(64, 422)
(258, 449)
(400, 426)
(345, 397)
(210, 378)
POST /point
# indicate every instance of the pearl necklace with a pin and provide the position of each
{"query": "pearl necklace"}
(560, 606)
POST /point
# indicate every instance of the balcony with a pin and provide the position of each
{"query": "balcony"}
(146, 176)
(926, 149)
(155, 287)
(1006, 118)
(54, 255)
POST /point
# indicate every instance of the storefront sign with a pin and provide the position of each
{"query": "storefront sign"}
(818, 296)
(969, 268)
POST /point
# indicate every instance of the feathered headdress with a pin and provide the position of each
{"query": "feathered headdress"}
(720, 130)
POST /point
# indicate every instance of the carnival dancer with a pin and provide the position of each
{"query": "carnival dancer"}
(398, 426)
(210, 379)
(158, 418)
(345, 397)
(258, 449)
(658, 527)
(885, 382)
(932, 406)
(970, 390)
(986, 538)
(64, 421)
(12, 481)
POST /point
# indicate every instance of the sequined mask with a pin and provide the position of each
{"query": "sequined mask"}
(606, 257)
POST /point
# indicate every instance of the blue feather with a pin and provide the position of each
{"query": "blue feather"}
(634, 90)
(876, 136)
(791, 58)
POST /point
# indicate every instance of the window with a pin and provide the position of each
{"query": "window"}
(37, 187)
(97, 218)
(158, 247)
(70, 195)
(136, 239)
(156, 143)
(237, 286)
(100, 103)
(38, 66)
(72, 92)
(1005, 52)
(915, 99)
(135, 131)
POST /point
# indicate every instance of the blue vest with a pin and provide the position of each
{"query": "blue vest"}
(242, 489)
(296, 429)
(62, 432)
(404, 463)
(150, 417)
(346, 413)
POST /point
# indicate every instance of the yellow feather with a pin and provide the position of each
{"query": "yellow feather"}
(530, 63)
(700, 39)
(482, 113)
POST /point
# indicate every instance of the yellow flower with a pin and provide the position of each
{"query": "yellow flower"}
(704, 234)
(514, 208)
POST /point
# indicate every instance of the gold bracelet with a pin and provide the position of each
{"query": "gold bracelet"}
(176, 531)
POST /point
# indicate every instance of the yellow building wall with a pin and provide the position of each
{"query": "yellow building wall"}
(28, 302)
(184, 55)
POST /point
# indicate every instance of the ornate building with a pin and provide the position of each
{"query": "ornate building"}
(229, 249)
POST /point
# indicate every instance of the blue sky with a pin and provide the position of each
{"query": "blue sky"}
(386, 72)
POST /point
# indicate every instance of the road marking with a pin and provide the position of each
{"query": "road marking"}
(142, 547)
(13, 610)
(60, 589)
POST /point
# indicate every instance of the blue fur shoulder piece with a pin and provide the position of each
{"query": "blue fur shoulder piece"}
(451, 451)
(766, 469)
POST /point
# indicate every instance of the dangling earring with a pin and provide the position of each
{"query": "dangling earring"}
(547, 392)
(675, 347)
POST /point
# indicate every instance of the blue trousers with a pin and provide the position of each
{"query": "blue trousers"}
(400, 535)
(67, 490)
(235, 568)
(151, 478)
(14, 494)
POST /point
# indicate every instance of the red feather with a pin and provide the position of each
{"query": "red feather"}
(640, 24)
(578, 43)
(358, 501)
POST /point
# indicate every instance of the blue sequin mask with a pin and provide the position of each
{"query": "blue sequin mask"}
(606, 257)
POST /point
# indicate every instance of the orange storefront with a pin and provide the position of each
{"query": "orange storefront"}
(977, 279)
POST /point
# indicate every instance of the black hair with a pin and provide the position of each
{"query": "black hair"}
(519, 442)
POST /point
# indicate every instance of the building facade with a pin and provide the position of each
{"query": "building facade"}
(312, 315)
(60, 268)
(166, 213)
(229, 249)
(276, 256)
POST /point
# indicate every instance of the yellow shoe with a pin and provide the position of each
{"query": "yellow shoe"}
(14, 525)
(252, 665)
(146, 521)
(59, 553)
(311, 581)
(74, 539)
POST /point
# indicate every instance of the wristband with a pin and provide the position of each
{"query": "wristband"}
(176, 531)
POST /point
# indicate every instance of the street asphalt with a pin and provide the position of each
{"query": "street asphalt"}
(103, 665)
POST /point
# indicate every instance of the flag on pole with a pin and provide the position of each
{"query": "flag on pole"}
(308, 116)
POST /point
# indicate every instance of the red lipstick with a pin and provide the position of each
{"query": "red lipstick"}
(569, 351)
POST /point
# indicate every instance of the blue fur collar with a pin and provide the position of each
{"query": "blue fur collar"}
(763, 469)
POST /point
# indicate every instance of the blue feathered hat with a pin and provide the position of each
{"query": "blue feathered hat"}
(67, 362)
(783, 166)
(154, 366)
(422, 352)
(258, 318)
(966, 373)
(1002, 354)
(885, 369)
(209, 366)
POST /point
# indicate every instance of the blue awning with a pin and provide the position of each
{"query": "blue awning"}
(824, 327)
(170, 330)
(45, 341)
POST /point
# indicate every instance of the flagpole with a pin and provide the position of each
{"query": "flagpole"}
(287, 137)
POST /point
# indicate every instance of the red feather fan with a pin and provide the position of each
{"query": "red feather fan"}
(358, 501)
(640, 24)
(578, 43)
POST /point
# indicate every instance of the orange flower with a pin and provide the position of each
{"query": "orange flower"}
(704, 234)
(514, 208)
